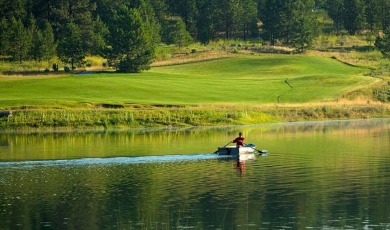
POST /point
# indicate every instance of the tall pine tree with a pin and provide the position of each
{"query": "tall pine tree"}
(206, 22)
(21, 39)
(276, 17)
(131, 45)
(175, 32)
(335, 9)
(385, 5)
(373, 15)
(49, 44)
(248, 19)
(354, 16)
(303, 25)
(71, 46)
(3, 36)
(383, 43)
(187, 10)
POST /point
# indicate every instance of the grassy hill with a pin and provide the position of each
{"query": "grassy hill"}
(239, 89)
(233, 80)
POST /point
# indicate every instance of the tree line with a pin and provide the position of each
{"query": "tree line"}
(126, 32)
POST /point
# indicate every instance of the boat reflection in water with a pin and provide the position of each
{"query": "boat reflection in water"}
(241, 154)
(244, 157)
(241, 165)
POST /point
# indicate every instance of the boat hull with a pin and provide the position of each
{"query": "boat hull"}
(233, 150)
(242, 153)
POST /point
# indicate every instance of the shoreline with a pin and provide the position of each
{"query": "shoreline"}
(70, 120)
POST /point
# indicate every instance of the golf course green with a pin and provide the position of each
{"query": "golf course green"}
(234, 80)
(240, 89)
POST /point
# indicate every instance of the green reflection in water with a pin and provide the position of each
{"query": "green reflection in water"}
(321, 175)
(277, 138)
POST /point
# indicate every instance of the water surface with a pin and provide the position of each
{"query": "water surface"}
(318, 175)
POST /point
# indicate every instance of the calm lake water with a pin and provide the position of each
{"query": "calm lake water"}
(317, 175)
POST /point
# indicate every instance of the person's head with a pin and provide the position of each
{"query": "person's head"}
(240, 134)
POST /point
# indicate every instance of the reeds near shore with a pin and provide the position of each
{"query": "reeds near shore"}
(53, 119)
(105, 118)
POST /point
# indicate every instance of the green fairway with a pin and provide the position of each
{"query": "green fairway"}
(234, 80)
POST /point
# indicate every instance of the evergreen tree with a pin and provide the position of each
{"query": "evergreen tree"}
(3, 36)
(175, 32)
(303, 25)
(383, 43)
(71, 46)
(36, 51)
(151, 24)
(79, 12)
(205, 22)
(49, 44)
(105, 9)
(160, 9)
(21, 38)
(247, 18)
(182, 37)
(228, 10)
(52, 11)
(373, 15)
(354, 16)
(13, 9)
(319, 4)
(335, 9)
(276, 16)
(131, 46)
(187, 10)
(100, 33)
(84, 27)
(385, 15)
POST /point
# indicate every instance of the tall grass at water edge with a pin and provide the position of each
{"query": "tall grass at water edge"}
(129, 118)
(180, 117)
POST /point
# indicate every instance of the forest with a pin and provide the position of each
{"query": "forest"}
(126, 32)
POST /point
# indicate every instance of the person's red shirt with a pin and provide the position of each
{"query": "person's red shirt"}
(240, 141)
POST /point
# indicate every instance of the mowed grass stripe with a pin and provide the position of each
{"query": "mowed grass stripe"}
(239, 79)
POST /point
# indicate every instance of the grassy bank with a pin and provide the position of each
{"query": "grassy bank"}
(53, 119)
(103, 118)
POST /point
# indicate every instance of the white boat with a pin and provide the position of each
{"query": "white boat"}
(246, 152)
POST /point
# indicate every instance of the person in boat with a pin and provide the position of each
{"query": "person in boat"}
(240, 140)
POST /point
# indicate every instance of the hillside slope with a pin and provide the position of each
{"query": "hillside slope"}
(239, 79)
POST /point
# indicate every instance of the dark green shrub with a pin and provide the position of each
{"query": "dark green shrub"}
(66, 69)
(55, 67)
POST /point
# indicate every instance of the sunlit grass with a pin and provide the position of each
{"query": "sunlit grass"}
(235, 89)
(234, 80)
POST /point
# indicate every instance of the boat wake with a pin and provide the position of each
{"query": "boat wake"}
(117, 160)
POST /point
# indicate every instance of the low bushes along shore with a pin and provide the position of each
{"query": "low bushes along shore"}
(100, 119)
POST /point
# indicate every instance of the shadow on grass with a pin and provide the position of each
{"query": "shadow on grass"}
(51, 73)
(341, 49)
(32, 73)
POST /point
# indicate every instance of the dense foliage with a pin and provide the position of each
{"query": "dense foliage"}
(383, 43)
(127, 31)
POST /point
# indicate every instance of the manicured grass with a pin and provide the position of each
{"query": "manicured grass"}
(235, 80)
